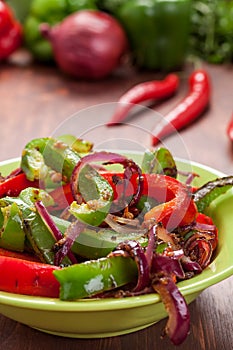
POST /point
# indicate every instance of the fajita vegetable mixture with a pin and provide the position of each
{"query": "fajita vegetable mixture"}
(77, 223)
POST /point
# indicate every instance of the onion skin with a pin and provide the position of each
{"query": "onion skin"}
(87, 44)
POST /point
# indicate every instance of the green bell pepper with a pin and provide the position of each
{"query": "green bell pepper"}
(41, 154)
(12, 235)
(51, 12)
(95, 276)
(98, 196)
(158, 30)
(37, 234)
(159, 161)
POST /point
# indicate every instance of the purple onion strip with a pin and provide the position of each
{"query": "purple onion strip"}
(108, 158)
(152, 235)
(168, 265)
(71, 234)
(48, 221)
(178, 325)
(135, 251)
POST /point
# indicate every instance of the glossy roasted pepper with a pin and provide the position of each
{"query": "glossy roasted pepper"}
(38, 235)
(51, 12)
(157, 30)
(42, 154)
(10, 31)
(95, 276)
(97, 194)
(12, 235)
(27, 277)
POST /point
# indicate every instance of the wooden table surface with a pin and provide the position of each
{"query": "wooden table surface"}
(38, 101)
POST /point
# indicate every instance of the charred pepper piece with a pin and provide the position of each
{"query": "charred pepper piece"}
(211, 190)
(159, 161)
(12, 235)
(97, 194)
(28, 277)
(41, 154)
(14, 184)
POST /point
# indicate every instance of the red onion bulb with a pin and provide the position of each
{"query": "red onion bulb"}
(87, 43)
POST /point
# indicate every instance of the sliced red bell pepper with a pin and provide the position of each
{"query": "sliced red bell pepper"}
(12, 186)
(19, 255)
(62, 197)
(27, 277)
(177, 206)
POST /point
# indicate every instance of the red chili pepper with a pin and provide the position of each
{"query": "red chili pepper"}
(12, 186)
(144, 92)
(10, 31)
(186, 111)
(28, 277)
(230, 129)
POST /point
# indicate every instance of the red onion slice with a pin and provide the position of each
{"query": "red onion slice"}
(168, 265)
(135, 251)
(178, 325)
(200, 249)
(48, 221)
(71, 234)
(108, 158)
(152, 240)
(190, 266)
(125, 229)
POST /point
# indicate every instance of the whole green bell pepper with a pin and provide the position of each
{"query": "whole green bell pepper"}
(51, 12)
(158, 30)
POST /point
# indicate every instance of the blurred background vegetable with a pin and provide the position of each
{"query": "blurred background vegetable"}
(52, 12)
(20, 8)
(161, 34)
(157, 30)
(211, 36)
(10, 31)
(87, 44)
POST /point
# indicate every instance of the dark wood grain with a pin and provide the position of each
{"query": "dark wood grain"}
(35, 100)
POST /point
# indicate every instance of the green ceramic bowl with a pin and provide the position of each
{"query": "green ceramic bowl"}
(90, 318)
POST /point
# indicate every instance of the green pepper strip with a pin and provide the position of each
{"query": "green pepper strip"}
(41, 154)
(159, 161)
(97, 194)
(95, 276)
(12, 235)
(38, 235)
(204, 195)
